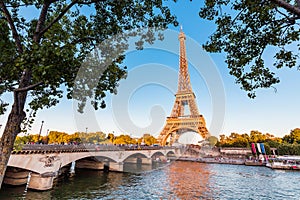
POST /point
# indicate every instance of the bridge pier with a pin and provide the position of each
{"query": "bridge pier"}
(146, 161)
(41, 181)
(116, 166)
(15, 176)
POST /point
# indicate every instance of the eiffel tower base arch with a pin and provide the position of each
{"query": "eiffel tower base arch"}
(176, 126)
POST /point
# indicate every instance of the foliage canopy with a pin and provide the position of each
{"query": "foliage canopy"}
(246, 30)
(50, 47)
(40, 56)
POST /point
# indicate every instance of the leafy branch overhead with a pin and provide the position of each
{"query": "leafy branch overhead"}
(247, 31)
(43, 53)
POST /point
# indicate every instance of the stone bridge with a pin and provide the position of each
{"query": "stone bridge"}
(38, 165)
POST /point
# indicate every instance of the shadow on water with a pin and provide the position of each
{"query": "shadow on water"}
(139, 168)
(90, 184)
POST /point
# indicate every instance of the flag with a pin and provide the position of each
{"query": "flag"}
(253, 148)
(262, 147)
(258, 147)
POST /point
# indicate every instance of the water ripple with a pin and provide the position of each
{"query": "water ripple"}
(180, 180)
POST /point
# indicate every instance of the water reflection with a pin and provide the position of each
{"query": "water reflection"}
(139, 168)
(189, 180)
(89, 184)
(179, 180)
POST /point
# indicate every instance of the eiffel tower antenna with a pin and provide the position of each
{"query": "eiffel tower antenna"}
(181, 120)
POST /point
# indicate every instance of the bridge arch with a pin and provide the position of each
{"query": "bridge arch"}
(169, 153)
(135, 155)
(158, 153)
(103, 159)
(67, 159)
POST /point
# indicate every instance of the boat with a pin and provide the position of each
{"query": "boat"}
(284, 162)
(255, 163)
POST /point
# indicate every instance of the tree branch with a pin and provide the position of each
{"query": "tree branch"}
(79, 40)
(41, 22)
(30, 87)
(63, 12)
(287, 17)
(90, 2)
(293, 9)
(12, 27)
(237, 16)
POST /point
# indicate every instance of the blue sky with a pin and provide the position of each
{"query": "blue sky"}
(146, 97)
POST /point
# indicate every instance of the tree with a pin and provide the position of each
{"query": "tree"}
(124, 139)
(91, 137)
(57, 137)
(293, 137)
(256, 136)
(111, 137)
(40, 55)
(273, 143)
(149, 139)
(222, 139)
(246, 31)
(213, 140)
(244, 140)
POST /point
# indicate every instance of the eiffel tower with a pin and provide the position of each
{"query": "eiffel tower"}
(181, 121)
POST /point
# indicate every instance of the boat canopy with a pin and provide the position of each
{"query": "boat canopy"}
(283, 158)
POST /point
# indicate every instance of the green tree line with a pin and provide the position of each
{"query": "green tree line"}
(287, 145)
(56, 137)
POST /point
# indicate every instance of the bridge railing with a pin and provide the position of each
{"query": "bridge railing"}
(53, 148)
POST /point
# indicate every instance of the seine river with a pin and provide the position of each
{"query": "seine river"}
(178, 180)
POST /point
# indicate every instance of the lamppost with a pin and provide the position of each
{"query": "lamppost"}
(40, 132)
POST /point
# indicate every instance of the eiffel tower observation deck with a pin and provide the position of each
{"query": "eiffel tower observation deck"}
(185, 115)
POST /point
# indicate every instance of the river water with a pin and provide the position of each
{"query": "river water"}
(178, 180)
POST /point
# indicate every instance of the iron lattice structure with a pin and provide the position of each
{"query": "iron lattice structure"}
(180, 120)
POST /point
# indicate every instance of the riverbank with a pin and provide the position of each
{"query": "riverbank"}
(281, 162)
(213, 160)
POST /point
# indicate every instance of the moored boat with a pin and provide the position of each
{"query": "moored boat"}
(284, 162)
(255, 163)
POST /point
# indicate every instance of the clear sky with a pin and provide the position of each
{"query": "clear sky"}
(146, 97)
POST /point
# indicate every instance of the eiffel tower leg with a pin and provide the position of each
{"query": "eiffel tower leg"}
(165, 134)
(176, 137)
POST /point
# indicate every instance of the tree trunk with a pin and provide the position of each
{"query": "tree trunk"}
(291, 8)
(12, 129)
